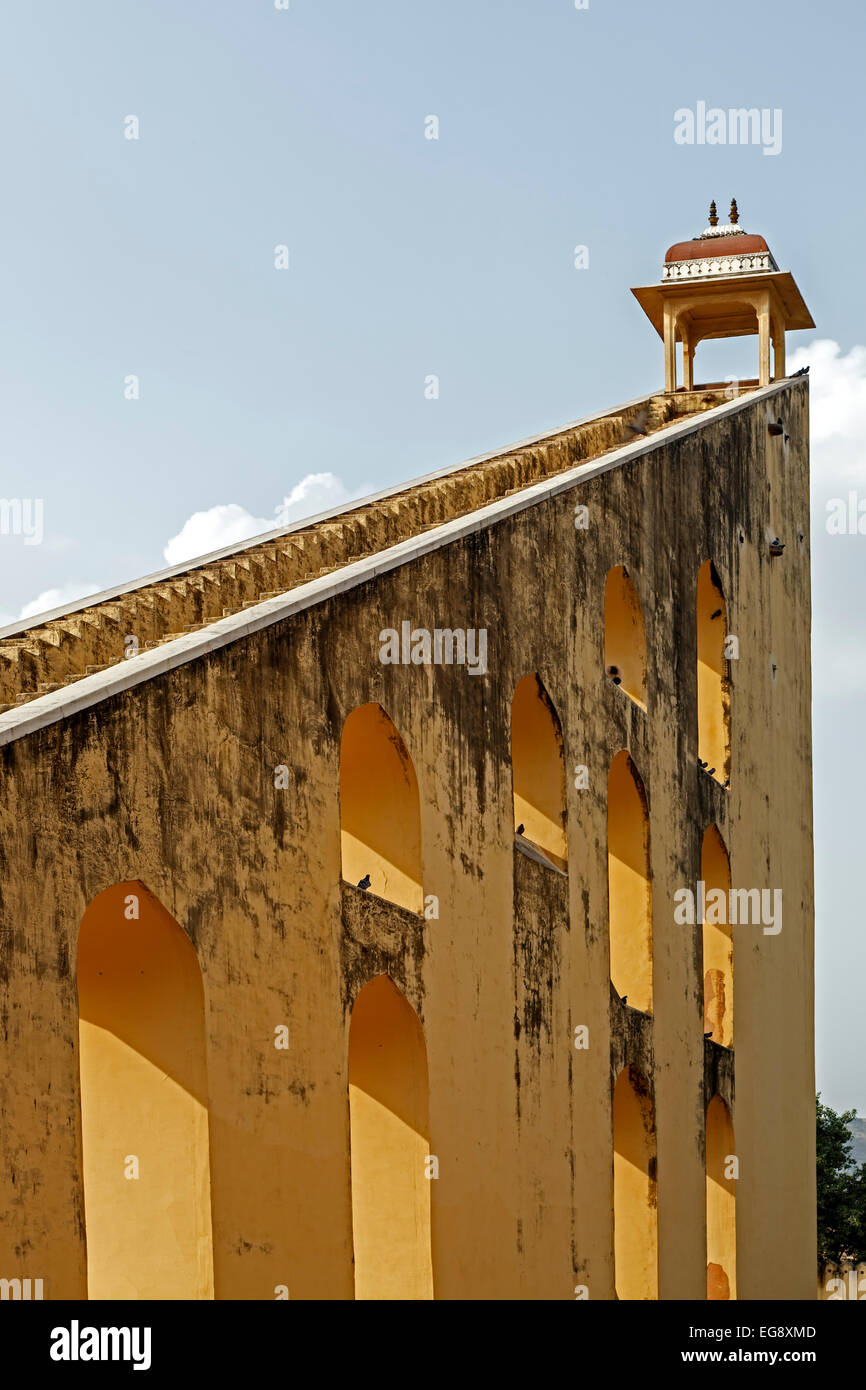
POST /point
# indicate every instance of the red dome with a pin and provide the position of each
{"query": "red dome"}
(716, 247)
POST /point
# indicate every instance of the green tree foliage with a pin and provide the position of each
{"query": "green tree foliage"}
(841, 1190)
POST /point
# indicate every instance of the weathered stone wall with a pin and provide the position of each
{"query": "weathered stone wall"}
(172, 783)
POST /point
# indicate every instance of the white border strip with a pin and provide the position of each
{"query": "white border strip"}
(90, 690)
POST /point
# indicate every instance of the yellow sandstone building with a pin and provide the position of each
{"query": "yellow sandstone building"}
(417, 902)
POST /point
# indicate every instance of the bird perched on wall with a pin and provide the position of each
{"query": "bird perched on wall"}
(638, 425)
(804, 371)
(711, 771)
(520, 829)
(364, 882)
(709, 1035)
(624, 999)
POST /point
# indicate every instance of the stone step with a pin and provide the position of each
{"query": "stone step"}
(59, 651)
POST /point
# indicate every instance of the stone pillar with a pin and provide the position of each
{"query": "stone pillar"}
(688, 356)
(670, 336)
(778, 349)
(763, 311)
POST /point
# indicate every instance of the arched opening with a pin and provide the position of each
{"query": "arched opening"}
(721, 1203)
(624, 635)
(380, 810)
(538, 770)
(390, 1146)
(714, 687)
(700, 324)
(144, 1115)
(718, 942)
(629, 894)
(635, 1224)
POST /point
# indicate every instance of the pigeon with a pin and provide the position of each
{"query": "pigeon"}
(804, 371)
(640, 421)
(717, 614)
(520, 829)
(709, 1035)
(364, 882)
(776, 546)
(624, 999)
(711, 771)
(617, 680)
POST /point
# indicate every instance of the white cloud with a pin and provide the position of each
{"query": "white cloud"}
(837, 416)
(220, 526)
(229, 523)
(318, 492)
(837, 409)
(50, 598)
(56, 598)
(839, 665)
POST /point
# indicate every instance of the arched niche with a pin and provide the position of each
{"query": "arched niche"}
(717, 940)
(714, 690)
(634, 1187)
(721, 1203)
(144, 1102)
(390, 1146)
(629, 886)
(624, 635)
(380, 809)
(538, 769)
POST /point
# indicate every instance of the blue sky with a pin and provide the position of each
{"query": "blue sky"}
(409, 257)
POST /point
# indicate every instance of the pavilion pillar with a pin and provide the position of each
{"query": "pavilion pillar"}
(778, 349)
(670, 340)
(763, 308)
(688, 356)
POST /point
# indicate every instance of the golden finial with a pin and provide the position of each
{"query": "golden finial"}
(734, 213)
(714, 216)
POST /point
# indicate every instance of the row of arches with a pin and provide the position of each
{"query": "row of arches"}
(635, 1200)
(380, 810)
(145, 1121)
(626, 664)
(381, 839)
(145, 1131)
